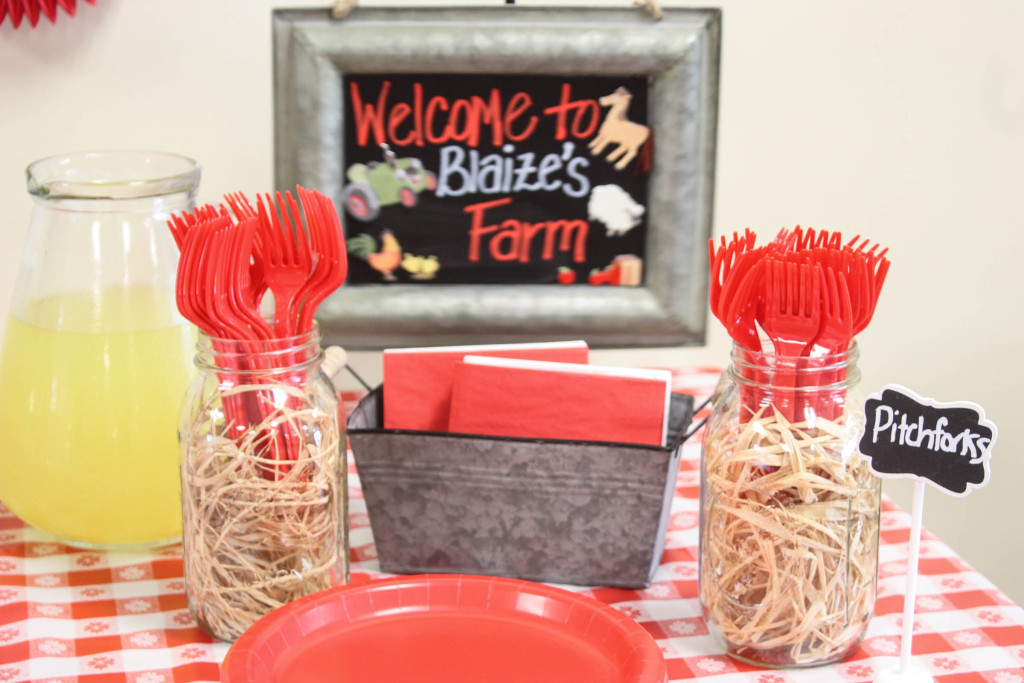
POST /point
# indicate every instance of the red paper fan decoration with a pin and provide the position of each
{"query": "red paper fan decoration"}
(31, 9)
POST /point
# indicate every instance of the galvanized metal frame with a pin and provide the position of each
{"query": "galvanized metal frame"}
(680, 56)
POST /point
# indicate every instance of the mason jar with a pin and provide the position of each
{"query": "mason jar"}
(263, 480)
(789, 511)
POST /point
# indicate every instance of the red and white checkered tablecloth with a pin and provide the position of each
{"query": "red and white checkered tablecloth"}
(70, 615)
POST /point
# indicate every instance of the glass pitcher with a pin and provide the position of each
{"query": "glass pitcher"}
(95, 358)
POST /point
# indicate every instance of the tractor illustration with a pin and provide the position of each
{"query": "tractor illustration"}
(382, 183)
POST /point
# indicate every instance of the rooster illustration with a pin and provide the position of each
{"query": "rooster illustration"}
(385, 260)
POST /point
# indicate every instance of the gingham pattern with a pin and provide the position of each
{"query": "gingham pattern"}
(71, 615)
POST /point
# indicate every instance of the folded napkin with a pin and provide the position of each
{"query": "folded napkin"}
(537, 399)
(418, 381)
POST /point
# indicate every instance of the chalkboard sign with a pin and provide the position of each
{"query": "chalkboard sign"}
(947, 444)
(496, 179)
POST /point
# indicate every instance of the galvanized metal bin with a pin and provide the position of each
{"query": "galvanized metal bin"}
(586, 513)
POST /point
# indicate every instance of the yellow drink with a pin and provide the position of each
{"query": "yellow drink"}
(91, 387)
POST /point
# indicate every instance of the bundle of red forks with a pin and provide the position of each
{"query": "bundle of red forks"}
(230, 257)
(807, 292)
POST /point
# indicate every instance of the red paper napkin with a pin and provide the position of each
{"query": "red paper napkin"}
(418, 381)
(508, 397)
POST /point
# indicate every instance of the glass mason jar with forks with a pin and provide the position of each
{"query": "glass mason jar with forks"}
(95, 356)
(263, 480)
(789, 511)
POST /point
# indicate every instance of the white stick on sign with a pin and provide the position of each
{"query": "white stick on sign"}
(948, 445)
(909, 671)
(910, 596)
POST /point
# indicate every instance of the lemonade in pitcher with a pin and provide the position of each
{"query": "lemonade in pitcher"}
(92, 386)
(96, 359)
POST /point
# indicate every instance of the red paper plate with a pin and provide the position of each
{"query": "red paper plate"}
(445, 628)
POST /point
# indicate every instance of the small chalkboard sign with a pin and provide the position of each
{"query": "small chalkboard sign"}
(947, 444)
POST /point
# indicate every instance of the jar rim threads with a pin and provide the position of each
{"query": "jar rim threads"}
(275, 354)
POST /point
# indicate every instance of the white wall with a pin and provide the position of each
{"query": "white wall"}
(903, 121)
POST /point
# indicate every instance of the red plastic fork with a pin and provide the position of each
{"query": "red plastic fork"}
(865, 273)
(236, 265)
(197, 300)
(870, 285)
(740, 321)
(218, 291)
(790, 315)
(287, 260)
(232, 244)
(791, 306)
(181, 225)
(190, 278)
(837, 318)
(801, 239)
(722, 262)
(240, 205)
(835, 337)
(744, 302)
(331, 259)
(254, 285)
(746, 261)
